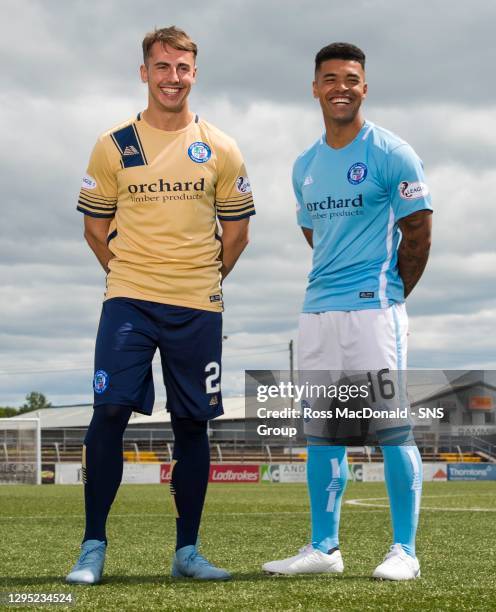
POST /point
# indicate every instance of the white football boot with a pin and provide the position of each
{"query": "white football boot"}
(309, 560)
(397, 565)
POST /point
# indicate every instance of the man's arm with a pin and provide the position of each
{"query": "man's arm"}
(95, 233)
(414, 248)
(234, 240)
(308, 233)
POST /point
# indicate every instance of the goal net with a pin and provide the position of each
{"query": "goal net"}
(20, 451)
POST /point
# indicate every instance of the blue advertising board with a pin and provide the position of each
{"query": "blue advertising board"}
(471, 471)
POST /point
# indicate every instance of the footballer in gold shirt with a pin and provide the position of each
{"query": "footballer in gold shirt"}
(166, 202)
(163, 192)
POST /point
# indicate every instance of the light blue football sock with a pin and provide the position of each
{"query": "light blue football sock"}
(403, 474)
(327, 473)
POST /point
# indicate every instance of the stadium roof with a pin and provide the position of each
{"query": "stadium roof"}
(64, 416)
(80, 416)
(455, 383)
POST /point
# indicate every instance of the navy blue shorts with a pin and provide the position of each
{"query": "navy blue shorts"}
(190, 345)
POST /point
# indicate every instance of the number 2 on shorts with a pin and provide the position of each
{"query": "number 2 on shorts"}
(212, 382)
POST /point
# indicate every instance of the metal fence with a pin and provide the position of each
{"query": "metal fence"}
(228, 442)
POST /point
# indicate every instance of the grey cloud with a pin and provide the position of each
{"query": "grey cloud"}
(445, 133)
(464, 339)
(253, 50)
(48, 250)
(49, 310)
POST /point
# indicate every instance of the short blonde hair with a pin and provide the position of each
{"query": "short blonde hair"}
(172, 36)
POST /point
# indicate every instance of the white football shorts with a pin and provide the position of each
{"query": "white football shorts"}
(354, 347)
(365, 340)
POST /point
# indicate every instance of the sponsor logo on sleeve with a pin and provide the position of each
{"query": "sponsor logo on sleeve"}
(243, 184)
(413, 191)
(199, 152)
(357, 173)
(88, 182)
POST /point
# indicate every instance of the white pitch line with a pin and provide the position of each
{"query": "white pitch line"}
(362, 502)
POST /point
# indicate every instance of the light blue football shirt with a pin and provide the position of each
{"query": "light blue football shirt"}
(352, 198)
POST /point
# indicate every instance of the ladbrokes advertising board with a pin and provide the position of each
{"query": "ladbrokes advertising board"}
(224, 472)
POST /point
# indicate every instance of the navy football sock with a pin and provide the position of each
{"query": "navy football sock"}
(102, 466)
(189, 480)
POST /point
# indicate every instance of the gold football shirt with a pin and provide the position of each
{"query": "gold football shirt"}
(164, 192)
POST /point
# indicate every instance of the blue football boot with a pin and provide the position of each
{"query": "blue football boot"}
(188, 563)
(89, 566)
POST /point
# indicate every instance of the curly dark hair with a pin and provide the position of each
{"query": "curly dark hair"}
(340, 50)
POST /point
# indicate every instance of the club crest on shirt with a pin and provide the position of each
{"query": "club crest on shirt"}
(243, 184)
(357, 173)
(199, 152)
(100, 381)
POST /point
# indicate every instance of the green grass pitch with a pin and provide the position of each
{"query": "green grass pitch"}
(244, 526)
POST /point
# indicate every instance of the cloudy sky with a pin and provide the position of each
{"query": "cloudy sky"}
(70, 71)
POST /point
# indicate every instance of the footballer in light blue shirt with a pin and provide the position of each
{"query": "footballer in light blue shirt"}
(352, 199)
(365, 209)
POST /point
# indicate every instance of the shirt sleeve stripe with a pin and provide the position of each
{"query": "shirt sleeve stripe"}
(85, 200)
(234, 204)
(93, 214)
(92, 207)
(242, 196)
(93, 196)
(237, 217)
(230, 213)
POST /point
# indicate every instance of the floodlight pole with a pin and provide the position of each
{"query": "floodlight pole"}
(38, 453)
(291, 369)
(291, 380)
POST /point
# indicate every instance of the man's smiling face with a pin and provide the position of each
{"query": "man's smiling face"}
(170, 74)
(340, 88)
